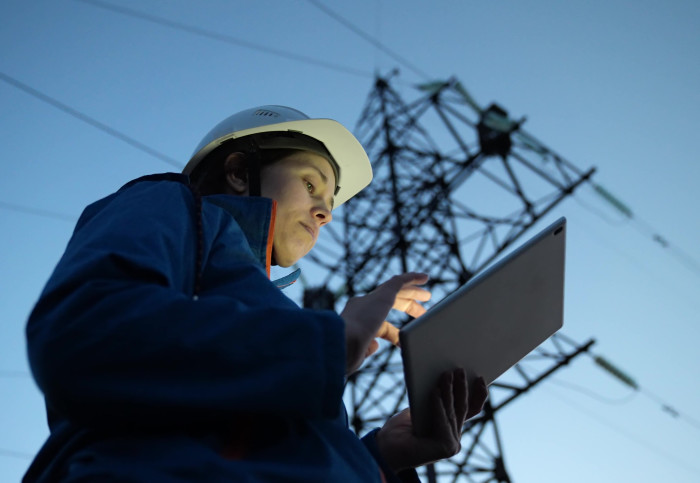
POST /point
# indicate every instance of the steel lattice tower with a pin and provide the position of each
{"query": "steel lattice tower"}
(454, 186)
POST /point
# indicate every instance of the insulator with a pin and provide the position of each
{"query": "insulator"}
(605, 364)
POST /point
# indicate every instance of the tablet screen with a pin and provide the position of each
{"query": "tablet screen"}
(490, 323)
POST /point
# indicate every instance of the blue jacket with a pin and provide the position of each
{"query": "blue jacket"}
(165, 353)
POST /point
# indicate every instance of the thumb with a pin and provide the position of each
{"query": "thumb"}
(372, 348)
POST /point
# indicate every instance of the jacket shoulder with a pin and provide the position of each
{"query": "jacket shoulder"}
(149, 191)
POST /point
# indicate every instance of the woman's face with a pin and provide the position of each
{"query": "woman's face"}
(303, 185)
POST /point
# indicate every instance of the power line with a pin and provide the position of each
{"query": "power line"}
(16, 454)
(36, 211)
(644, 228)
(225, 38)
(599, 212)
(592, 394)
(627, 380)
(89, 120)
(685, 258)
(338, 18)
(670, 457)
(641, 265)
(670, 410)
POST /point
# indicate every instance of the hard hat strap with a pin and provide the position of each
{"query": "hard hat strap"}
(253, 161)
(253, 174)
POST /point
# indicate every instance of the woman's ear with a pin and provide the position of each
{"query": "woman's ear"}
(236, 172)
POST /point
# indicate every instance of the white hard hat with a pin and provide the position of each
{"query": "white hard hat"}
(352, 166)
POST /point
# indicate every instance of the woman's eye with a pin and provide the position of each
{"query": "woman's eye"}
(309, 187)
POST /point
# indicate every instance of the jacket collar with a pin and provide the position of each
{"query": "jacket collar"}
(256, 217)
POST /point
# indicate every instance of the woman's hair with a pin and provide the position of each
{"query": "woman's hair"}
(209, 177)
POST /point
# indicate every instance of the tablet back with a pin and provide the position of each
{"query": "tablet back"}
(491, 322)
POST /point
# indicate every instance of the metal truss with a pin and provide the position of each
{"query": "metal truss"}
(455, 185)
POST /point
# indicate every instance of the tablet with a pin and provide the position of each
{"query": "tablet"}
(490, 323)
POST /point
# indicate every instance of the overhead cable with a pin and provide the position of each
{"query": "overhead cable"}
(628, 381)
(646, 229)
(89, 120)
(229, 39)
(15, 454)
(593, 394)
(35, 211)
(338, 18)
(620, 430)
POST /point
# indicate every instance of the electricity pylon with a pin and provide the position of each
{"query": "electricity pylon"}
(454, 186)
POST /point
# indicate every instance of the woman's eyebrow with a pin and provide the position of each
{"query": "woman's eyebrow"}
(323, 176)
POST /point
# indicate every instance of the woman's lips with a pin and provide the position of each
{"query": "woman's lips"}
(311, 231)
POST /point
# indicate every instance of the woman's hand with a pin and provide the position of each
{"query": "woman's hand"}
(365, 316)
(452, 403)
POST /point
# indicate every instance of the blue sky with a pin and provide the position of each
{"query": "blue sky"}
(611, 84)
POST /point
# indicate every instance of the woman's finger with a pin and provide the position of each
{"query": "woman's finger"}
(415, 310)
(441, 427)
(372, 348)
(461, 396)
(414, 292)
(400, 282)
(407, 301)
(389, 333)
(448, 402)
(477, 397)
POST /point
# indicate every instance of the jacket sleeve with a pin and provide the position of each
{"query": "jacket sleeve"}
(406, 476)
(117, 337)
